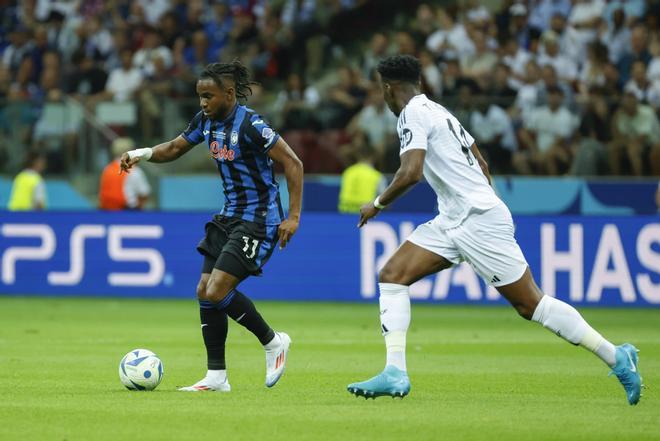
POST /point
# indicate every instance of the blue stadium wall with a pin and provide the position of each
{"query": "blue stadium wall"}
(523, 195)
(593, 260)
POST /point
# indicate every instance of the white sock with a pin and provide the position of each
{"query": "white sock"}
(564, 320)
(219, 375)
(274, 343)
(394, 321)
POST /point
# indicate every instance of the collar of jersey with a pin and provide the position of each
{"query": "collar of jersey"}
(229, 117)
(411, 99)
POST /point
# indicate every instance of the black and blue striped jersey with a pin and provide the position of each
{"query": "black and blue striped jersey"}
(239, 145)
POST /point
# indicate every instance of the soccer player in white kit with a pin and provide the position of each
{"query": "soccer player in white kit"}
(474, 225)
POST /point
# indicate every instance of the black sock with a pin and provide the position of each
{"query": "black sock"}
(241, 309)
(214, 332)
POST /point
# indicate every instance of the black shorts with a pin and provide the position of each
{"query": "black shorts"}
(236, 246)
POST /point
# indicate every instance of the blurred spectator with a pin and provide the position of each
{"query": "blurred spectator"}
(360, 183)
(636, 134)
(170, 31)
(20, 46)
(519, 27)
(451, 40)
(23, 88)
(28, 191)
(123, 191)
(152, 49)
(477, 14)
(462, 108)
(516, 58)
(593, 137)
(377, 123)
(638, 83)
(639, 51)
(40, 49)
(345, 99)
(528, 92)
(98, 40)
(617, 36)
(152, 92)
(376, 51)
(217, 28)
(87, 79)
(405, 44)
(633, 9)
(500, 91)
(549, 81)
(482, 61)
(493, 130)
(542, 12)
(124, 81)
(564, 66)
(593, 73)
(583, 22)
(153, 9)
(431, 76)
(545, 135)
(296, 105)
(199, 53)
(424, 24)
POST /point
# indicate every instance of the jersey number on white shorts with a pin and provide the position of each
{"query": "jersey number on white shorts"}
(249, 253)
(462, 141)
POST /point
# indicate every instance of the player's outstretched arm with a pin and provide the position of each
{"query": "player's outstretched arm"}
(293, 170)
(481, 161)
(409, 173)
(165, 152)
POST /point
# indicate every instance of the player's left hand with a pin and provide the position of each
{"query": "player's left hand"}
(287, 229)
(367, 212)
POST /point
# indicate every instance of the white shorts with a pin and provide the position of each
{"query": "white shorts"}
(484, 239)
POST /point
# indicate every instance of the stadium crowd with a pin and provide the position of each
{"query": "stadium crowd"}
(546, 87)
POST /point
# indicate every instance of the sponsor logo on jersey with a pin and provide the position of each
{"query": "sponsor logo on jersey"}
(221, 154)
(406, 138)
(267, 133)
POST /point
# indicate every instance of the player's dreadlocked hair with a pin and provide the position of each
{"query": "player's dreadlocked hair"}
(400, 68)
(235, 71)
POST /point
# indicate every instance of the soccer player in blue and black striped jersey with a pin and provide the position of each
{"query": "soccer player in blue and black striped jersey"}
(240, 239)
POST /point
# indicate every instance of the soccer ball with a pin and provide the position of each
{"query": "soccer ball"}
(140, 369)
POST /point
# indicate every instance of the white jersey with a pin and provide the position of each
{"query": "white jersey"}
(450, 168)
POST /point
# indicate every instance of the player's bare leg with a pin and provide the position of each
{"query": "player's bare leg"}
(565, 321)
(408, 264)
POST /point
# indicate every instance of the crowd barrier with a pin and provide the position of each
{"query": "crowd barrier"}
(608, 261)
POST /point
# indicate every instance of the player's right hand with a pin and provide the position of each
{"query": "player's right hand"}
(125, 163)
(367, 212)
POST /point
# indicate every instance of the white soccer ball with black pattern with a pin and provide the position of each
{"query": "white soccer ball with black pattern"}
(140, 369)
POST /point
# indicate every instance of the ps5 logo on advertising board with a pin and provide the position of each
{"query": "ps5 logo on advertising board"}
(116, 251)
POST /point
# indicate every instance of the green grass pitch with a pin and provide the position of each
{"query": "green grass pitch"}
(478, 373)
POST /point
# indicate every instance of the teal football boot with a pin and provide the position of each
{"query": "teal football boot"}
(392, 382)
(627, 372)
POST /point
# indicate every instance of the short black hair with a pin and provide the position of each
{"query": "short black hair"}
(403, 68)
